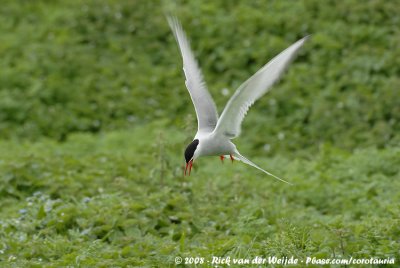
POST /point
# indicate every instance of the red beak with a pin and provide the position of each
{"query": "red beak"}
(188, 166)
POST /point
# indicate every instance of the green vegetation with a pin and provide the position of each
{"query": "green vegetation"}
(94, 118)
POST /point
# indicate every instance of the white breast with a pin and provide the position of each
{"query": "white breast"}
(210, 144)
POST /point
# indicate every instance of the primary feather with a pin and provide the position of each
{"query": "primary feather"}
(229, 124)
(204, 105)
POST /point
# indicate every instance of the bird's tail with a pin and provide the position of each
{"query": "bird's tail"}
(240, 157)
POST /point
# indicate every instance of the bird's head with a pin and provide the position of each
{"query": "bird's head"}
(189, 154)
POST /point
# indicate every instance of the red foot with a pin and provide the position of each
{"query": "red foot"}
(231, 157)
(222, 158)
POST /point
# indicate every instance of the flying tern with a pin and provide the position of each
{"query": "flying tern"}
(214, 134)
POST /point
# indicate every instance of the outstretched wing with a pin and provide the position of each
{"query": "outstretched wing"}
(204, 105)
(251, 90)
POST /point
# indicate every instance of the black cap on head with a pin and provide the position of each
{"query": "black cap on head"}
(190, 150)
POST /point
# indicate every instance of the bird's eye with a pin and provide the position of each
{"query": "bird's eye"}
(189, 152)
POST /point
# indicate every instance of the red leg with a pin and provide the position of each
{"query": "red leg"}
(222, 158)
(231, 157)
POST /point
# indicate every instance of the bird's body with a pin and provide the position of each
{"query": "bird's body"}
(214, 134)
(213, 144)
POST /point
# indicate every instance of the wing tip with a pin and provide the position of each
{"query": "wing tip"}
(304, 39)
(173, 22)
(247, 161)
(299, 43)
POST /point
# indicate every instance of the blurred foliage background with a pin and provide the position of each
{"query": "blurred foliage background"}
(94, 118)
(90, 66)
